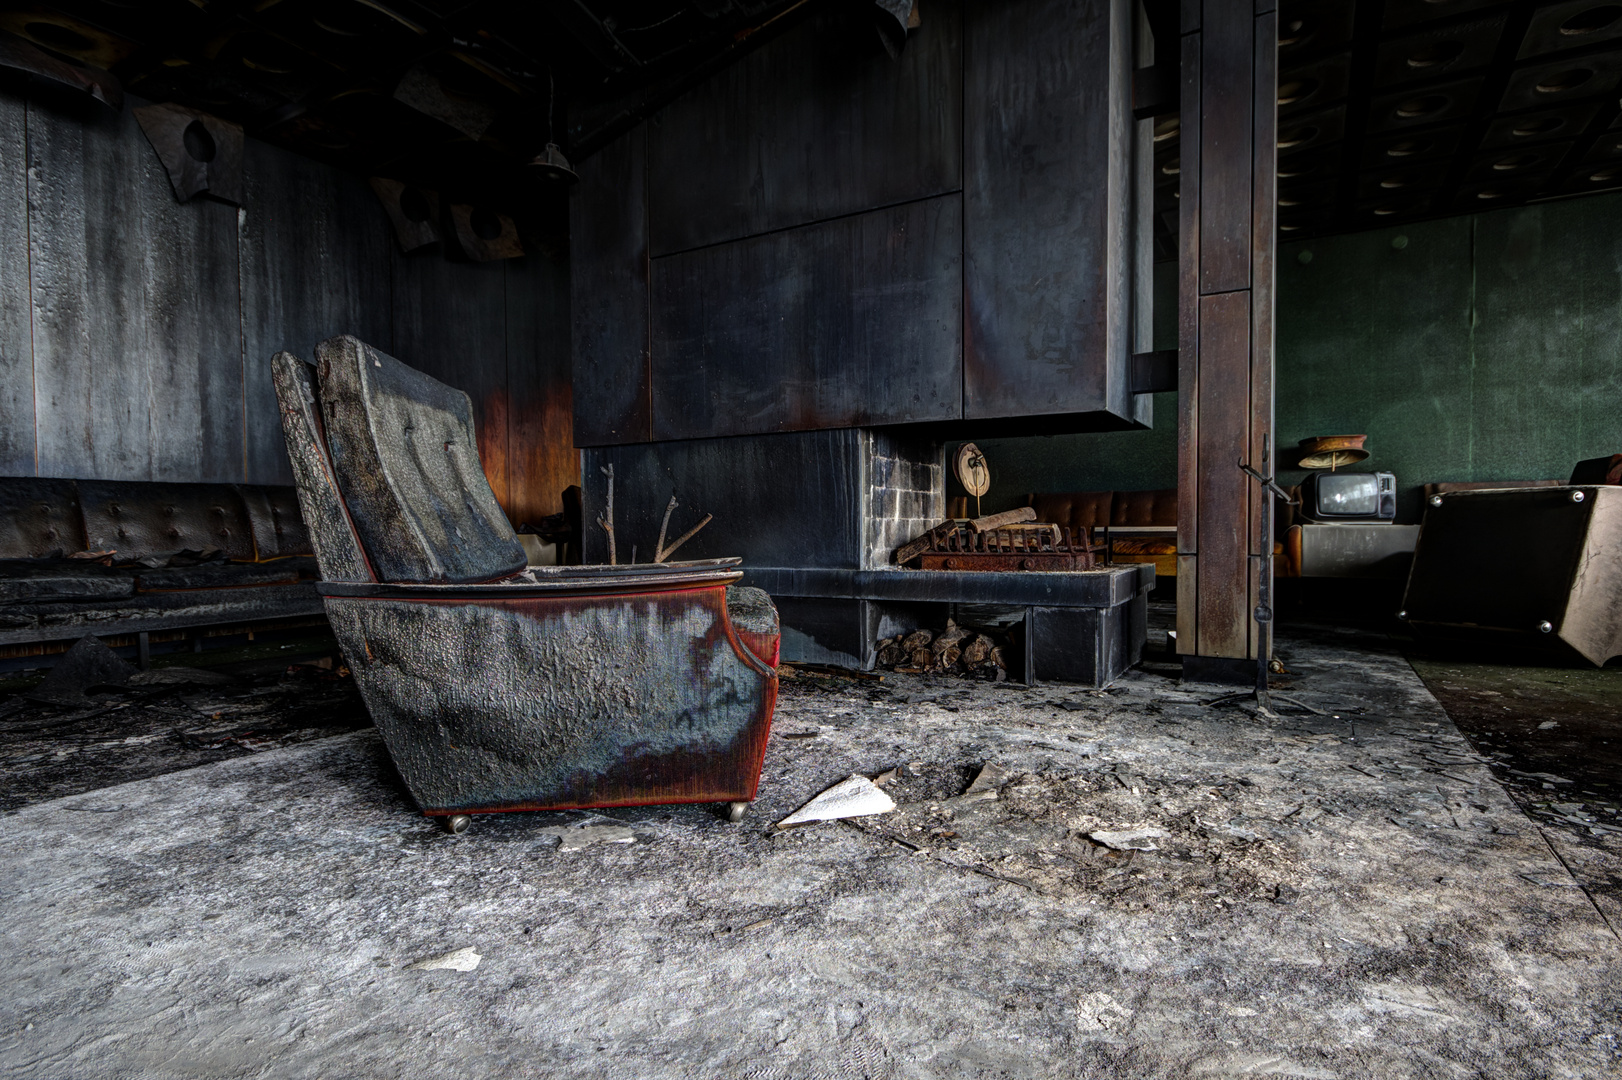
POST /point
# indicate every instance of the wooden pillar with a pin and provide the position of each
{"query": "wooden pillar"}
(1225, 308)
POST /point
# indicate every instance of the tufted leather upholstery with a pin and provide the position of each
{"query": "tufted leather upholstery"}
(277, 523)
(1125, 510)
(1144, 508)
(39, 517)
(1077, 511)
(407, 463)
(157, 518)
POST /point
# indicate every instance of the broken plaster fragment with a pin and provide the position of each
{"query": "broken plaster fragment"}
(1098, 1011)
(580, 837)
(458, 960)
(1129, 839)
(856, 796)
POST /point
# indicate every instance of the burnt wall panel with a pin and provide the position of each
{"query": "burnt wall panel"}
(778, 500)
(609, 295)
(136, 319)
(855, 321)
(1046, 207)
(819, 123)
(16, 348)
(314, 247)
(450, 322)
(542, 458)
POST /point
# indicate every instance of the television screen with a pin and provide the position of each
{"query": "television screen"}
(1348, 495)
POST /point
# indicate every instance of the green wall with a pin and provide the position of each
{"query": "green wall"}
(1475, 348)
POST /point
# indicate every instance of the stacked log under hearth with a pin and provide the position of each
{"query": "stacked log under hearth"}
(953, 651)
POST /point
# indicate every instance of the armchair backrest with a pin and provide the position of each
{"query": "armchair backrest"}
(337, 549)
(406, 461)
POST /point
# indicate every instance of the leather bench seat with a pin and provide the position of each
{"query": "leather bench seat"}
(206, 546)
(1123, 511)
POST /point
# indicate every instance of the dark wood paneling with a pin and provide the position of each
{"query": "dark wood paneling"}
(16, 346)
(1188, 347)
(778, 500)
(314, 249)
(450, 322)
(138, 356)
(1046, 206)
(1226, 162)
(1223, 490)
(540, 425)
(609, 290)
(820, 122)
(1264, 209)
(850, 322)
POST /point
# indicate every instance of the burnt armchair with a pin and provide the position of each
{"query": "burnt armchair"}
(495, 686)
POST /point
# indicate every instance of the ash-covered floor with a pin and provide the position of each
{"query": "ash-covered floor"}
(1351, 894)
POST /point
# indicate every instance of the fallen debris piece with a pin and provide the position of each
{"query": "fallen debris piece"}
(1098, 1011)
(459, 960)
(985, 785)
(1547, 724)
(180, 676)
(88, 664)
(580, 837)
(856, 796)
(1548, 778)
(1129, 839)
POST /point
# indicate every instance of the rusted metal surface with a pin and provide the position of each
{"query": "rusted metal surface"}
(599, 686)
(1045, 548)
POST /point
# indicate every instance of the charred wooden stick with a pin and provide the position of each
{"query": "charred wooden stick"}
(683, 538)
(607, 520)
(658, 549)
(914, 548)
(997, 521)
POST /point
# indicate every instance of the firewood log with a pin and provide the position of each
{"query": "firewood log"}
(918, 639)
(997, 521)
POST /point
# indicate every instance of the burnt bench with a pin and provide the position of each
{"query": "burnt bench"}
(131, 557)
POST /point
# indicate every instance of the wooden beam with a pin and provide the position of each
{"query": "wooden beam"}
(1227, 226)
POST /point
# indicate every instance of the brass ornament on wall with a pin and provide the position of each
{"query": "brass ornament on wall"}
(20, 55)
(199, 152)
(413, 211)
(485, 235)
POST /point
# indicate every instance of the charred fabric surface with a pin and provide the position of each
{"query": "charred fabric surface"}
(1552, 732)
(1343, 896)
(163, 721)
(402, 444)
(590, 700)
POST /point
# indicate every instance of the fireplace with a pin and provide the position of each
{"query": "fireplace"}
(817, 516)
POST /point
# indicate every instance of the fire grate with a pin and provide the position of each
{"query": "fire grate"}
(956, 545)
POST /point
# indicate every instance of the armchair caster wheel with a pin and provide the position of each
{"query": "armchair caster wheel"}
(457, 824)
(736, 810)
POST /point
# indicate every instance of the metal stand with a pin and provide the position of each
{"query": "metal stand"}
(1264, 601)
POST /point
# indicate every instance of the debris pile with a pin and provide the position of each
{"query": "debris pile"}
(953, 651)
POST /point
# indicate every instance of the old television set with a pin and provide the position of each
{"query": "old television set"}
(1349, 496)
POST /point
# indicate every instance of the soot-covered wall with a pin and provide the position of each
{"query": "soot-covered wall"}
(822, 237)
(136, 331)
(1486, 347)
